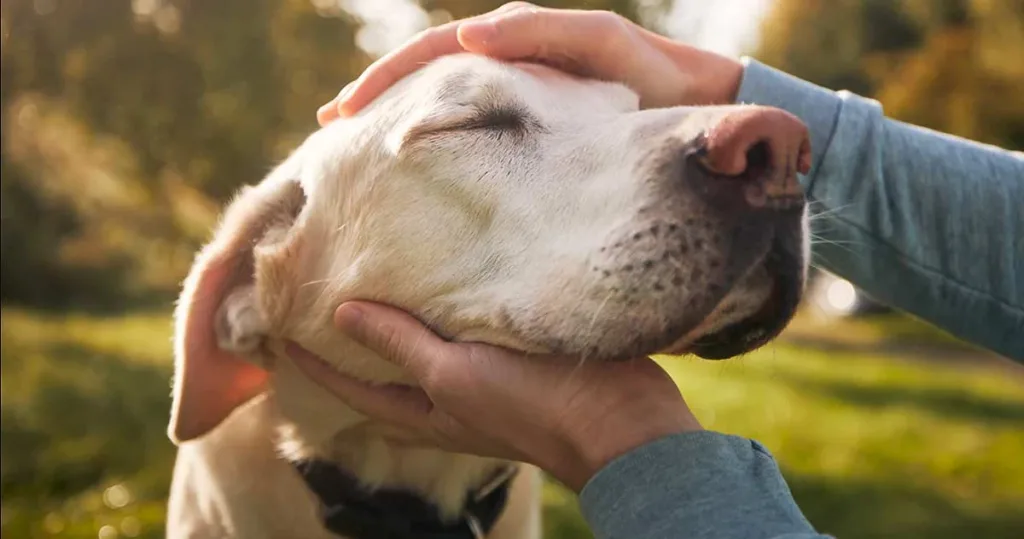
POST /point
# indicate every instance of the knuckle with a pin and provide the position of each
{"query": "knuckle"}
(529, 14)
(424, 33)
(433, 376)
(391, 342)
(615, 32)
(444, 375)
(426, 36)
(445, 426)
(531, 21)
(512, 6)
(609, 20)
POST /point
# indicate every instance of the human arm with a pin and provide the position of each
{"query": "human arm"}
(697, 485)
(928, 223)
(619, 433)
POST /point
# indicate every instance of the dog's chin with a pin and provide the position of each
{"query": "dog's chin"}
(754, 330)
(727, 331)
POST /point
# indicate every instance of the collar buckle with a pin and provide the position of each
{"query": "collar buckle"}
(500, 478)
(474, 525)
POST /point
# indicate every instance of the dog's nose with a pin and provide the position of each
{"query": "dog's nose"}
(763, 146)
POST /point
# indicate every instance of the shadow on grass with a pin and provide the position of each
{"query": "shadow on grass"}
(942, 401)
(919, 351)
(858, 510)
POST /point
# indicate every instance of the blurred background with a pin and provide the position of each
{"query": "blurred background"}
(126, 123)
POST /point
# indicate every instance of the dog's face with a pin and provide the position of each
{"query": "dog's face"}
(509, 204)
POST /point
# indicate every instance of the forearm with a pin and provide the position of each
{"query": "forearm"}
(928, 223)
(695, 485)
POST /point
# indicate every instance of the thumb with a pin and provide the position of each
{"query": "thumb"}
(400, 405)
(594, 39)
(392, 334)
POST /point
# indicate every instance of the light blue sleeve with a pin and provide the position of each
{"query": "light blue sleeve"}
(928, 223)
(697, 485)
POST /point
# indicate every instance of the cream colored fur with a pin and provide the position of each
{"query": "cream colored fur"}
(487, 231)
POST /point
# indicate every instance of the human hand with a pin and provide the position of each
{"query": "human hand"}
(568, 417)
(595, 44)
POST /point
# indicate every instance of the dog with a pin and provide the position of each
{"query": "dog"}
(505, 203)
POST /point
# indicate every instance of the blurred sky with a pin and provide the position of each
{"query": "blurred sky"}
(725, 26)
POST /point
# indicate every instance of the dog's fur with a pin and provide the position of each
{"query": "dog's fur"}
(508, 204)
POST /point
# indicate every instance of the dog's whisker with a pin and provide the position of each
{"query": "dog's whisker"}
(827, 212)
(579, 303)
(313, 282)
(823, 238)
(842, 245)
(593, 322)
(597, 312)
(825, 241)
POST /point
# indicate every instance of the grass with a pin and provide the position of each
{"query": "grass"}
(881, 429)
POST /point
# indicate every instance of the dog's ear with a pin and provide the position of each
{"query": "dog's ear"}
(213, 376)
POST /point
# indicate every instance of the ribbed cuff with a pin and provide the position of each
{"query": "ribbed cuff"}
(696, 485)
(817, 107)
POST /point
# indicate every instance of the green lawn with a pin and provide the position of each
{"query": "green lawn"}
(889, 433)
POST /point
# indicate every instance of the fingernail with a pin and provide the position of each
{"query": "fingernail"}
(348, 317)
(345, 92)
(332, 108)
(326, 109)
(479, 31)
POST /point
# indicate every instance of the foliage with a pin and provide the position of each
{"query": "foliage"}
(877, 439)
(125, 123)
(950, 65)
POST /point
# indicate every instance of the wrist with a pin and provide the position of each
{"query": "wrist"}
(609, 439)
(715, 78)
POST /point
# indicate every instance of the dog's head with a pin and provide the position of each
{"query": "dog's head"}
(508, 204)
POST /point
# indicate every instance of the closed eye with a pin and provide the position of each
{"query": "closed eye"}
(496, 119)
(499, 118)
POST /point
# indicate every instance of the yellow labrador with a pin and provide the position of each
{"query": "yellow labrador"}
(502, 203)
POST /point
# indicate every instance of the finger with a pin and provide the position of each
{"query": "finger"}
(392, 67)
(592, 38)
(394, 335)
(401, 405)
(328, 112)
(428, 45)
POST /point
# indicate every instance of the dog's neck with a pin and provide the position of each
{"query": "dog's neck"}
(332, 432)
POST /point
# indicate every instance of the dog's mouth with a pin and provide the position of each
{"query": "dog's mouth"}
(768, 321)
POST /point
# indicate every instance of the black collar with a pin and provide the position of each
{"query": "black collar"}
(353, 511)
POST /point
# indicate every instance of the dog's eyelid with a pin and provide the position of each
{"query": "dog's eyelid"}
(500, 116)
(493, 116)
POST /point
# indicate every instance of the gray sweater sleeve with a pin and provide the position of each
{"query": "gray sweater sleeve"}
(697, 485)
(929, 223)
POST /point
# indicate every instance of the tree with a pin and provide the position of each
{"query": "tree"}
(125, 123)
(950, 65)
